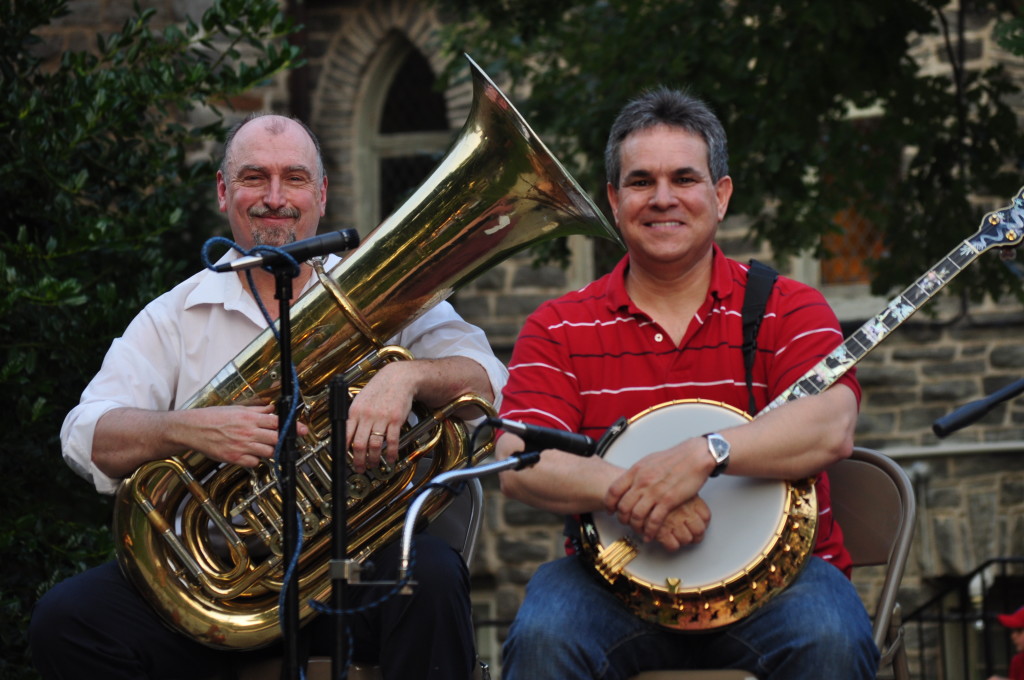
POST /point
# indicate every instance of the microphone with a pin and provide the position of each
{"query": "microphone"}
(336, 241)
(537, 437)
(968, 413)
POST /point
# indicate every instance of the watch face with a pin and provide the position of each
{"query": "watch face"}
(719, 447)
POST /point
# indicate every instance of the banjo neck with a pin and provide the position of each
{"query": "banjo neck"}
(1001, 228)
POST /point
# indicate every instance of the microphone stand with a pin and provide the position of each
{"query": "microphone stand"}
(514, 462)
(283, 274)
(972, 411)
(342, 569)
(536, 440)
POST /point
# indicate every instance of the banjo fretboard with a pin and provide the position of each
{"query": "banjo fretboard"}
(1001, 228)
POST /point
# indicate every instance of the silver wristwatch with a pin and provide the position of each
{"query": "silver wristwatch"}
(719, 449)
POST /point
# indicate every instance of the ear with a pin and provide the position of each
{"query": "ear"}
(323, 197)
(222, 193)
(723, 191)
(613, 200)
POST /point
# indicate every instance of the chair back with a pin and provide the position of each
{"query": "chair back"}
(460, 523)
(873, 501)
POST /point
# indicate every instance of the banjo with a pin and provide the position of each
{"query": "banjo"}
(764, 530)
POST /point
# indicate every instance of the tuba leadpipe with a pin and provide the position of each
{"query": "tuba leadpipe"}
(201, 540)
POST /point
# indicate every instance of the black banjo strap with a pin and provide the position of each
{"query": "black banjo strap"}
(760, 279)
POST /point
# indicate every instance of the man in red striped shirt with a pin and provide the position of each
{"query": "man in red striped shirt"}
(665, 325)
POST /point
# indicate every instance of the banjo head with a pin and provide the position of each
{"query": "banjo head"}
(757, 528)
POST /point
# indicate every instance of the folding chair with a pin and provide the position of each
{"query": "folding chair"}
(873, 501)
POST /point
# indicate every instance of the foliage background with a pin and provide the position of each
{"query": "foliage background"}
(784, 76)
(106, 199)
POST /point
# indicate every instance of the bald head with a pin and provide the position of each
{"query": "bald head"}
(272, 125)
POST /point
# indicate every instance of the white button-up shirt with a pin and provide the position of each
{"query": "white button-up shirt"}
(182, 339)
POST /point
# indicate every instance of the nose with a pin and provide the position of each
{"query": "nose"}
(663, 195)
(274, 196)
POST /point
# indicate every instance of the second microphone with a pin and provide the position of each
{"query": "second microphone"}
(538, 438)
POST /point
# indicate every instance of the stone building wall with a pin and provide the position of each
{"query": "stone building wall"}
(970, 487)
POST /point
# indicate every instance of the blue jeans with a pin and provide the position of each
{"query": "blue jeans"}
(570, 626)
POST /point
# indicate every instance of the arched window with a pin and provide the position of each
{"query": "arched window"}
(402, 130)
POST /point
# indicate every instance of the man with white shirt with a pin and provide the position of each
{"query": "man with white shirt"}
(273, 189)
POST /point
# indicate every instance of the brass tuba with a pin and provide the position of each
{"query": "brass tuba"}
(201, 540)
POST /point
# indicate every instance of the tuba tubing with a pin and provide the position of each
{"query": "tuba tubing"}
(202, 541)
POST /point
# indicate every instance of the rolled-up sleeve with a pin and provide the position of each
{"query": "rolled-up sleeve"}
(441, 332)
(138, 371)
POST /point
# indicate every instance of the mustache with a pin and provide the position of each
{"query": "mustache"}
(264, 211)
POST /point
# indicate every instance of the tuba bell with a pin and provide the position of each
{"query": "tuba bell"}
(202, 541)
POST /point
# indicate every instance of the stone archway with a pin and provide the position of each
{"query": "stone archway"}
(361, 57)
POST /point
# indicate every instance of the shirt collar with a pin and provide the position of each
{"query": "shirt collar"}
(615, 287)
(226, 289)
(722, 283)
(223, 289)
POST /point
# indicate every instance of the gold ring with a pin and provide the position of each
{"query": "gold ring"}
(376, 434)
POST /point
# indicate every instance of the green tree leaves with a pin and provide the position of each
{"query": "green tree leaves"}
(825, 105)
(105, 199)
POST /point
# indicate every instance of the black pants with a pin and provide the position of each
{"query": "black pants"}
(96, 625)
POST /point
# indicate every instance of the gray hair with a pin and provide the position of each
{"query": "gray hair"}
(233, 131)
(664, 106)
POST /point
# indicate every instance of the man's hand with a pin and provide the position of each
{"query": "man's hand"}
(382, 407)
(239, 435)
(377, 414)
(654, 487)
(685, 525)
(125, 438)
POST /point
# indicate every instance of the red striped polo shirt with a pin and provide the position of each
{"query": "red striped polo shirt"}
(586, 359)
